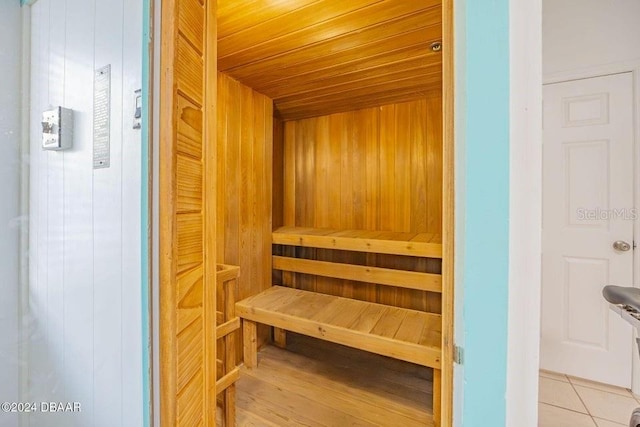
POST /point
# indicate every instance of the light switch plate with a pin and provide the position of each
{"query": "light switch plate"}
(57, 129)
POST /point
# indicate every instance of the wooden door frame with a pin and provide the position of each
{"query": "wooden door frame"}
(168, 236)
(448, 212)
(167, 197)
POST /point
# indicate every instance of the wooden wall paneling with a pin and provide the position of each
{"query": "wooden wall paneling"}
(388, 205)
(448, 218)
(364, 173)
(359, 135)
(232, 178)
(359, 102)
(410, 215)
(278, 188)
(434, 166)
(305, 189)
(371, 137)
(321, 208)
(245, 199)
(246, 255)
(260, 221)
(221, 199)
(278, 173)
(289, 192)
(265, 207)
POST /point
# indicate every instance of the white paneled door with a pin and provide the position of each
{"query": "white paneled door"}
(587, 206)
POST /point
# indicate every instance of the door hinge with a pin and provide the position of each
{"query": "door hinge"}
(458, 355)
(634, 245)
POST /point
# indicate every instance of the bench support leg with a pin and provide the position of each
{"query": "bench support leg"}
(230, 406)
(437, 397)
(280, 337)
(250, 344)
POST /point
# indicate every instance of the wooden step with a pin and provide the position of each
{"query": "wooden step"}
(410, 335)
(382, 242)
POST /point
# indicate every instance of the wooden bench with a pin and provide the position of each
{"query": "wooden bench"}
(409, 335)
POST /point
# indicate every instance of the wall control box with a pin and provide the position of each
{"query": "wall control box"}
(57, 129)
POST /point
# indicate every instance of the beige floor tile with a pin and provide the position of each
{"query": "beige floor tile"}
(608, 406)
(605, 423)
(600, 386)
(553, 375)
(560, 394)
(552, 416)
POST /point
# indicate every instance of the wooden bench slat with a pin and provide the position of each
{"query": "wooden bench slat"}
(381, 339)
(390, 322)
(384, 242)
(306, 305)
(368, 319)
(360, 273)
(331, 310)
(431, 333)
(411, 328)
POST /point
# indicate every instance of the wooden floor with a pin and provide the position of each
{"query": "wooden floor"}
(317, 383)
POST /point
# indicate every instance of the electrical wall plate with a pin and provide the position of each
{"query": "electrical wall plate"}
(57, 129)
(137, 115)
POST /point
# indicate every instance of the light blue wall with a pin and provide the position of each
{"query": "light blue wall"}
(482, 124)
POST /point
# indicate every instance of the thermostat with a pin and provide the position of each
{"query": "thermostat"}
(57, 129)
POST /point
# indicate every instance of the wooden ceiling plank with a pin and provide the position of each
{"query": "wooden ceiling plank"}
(234, 55)
(343, 63)
(293, 86)
(235, 16)
(422, 82)
(415, 24)
(289, 23)
(419, 74)
(353, 68)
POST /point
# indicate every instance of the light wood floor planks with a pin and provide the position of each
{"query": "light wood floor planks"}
(316, 383)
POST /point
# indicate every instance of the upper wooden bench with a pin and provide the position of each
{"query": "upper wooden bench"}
(381, 242)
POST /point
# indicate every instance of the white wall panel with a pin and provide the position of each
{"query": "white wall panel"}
(580, 34)
(84, 295)
(10, 141)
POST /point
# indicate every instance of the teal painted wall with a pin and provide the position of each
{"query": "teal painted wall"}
(482, 124)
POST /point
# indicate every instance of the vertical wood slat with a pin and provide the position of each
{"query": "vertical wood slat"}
(210, 206)
(188, 216)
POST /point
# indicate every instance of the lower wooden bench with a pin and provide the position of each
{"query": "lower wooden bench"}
(410, 335)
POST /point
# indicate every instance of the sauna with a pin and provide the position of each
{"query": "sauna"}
(306, 212)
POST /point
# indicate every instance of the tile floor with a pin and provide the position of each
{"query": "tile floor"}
(569, 401)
